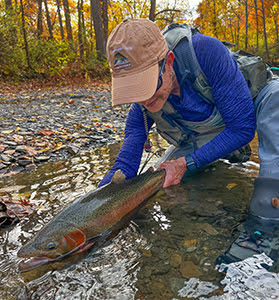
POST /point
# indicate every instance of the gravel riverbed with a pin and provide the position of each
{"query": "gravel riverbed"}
(51, 124)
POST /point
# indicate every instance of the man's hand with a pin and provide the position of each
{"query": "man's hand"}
(175, 170)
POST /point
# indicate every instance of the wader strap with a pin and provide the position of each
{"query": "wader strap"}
(179, 40)
(190, 133)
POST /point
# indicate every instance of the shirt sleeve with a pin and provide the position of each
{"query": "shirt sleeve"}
(231, 96)
(129, 156)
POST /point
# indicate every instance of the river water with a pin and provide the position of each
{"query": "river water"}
(167, 251)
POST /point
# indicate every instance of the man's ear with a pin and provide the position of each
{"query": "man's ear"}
(170, 58)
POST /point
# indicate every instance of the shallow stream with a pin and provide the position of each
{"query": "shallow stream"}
(167, 251)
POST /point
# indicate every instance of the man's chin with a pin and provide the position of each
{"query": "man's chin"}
(154, 107)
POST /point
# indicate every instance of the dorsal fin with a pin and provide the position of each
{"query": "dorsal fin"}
(118, 176)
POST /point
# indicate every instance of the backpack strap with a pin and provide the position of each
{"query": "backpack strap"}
(179, 40)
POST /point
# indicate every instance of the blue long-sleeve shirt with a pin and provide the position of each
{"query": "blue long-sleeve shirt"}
(231, 96)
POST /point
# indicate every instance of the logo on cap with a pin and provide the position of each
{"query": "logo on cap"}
(120, 61)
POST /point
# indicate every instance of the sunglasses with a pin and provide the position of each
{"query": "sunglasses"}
(160, 79)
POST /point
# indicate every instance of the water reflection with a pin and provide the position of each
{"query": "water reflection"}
(171, 244)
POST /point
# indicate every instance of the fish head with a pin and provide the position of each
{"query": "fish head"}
(53, 242)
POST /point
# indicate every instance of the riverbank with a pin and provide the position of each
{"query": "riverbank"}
(46, 123)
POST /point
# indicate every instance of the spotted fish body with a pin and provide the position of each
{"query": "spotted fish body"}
(76, 227)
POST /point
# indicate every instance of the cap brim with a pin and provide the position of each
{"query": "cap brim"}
(136, 87)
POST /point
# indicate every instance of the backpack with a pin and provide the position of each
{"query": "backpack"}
(179, 40)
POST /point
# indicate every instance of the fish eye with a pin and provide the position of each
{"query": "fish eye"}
(51, 246)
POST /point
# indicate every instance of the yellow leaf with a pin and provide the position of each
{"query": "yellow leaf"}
(58, 147)
(190, 243)
(95, 119)
(43, 150)
(231, 185)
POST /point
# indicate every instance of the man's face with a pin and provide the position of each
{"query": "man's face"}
(157, 101)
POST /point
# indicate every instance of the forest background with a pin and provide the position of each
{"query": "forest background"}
(62, 40)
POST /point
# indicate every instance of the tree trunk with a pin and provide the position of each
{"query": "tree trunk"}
(257, 23)
(80, 29)
(246, 24)
(68, 20)
(8, 5)
(105, 16)
(215, 32)
(60, 20)
(264, 31)
(25, 36)
(100, 37)
(40, 19)
(152, 10)
(49, 25)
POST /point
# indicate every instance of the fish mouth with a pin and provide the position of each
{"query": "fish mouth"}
(32, 263)
(37, 261)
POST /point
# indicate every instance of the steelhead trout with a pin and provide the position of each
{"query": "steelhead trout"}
(78, 226)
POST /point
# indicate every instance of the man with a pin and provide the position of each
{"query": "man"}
(145, 74)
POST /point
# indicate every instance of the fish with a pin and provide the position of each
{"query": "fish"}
(89, 218)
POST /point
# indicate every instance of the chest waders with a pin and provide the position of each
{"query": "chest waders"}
(184, 136)
(260, 233)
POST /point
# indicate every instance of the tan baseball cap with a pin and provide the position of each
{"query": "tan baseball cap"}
(134, 49)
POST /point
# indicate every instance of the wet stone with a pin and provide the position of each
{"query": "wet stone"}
(10, 143)
(30, 167)
(191, 249)
(188, 270)
(73, 149)
(161, 268)
(146, 253)
(147, 271)
(2, 166)
(175, 260)
(6, 158)
(209, 229)
(176, 284)
(21, 148)
(178, 232)
(23, 161)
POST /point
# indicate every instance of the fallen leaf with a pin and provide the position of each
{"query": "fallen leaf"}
(43, 150)
(190, 243)
(231, 185)
(47, 132)
(31, 151)
(58, 147)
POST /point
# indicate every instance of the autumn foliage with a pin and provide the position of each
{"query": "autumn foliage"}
(250, 24)
(62, 39)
